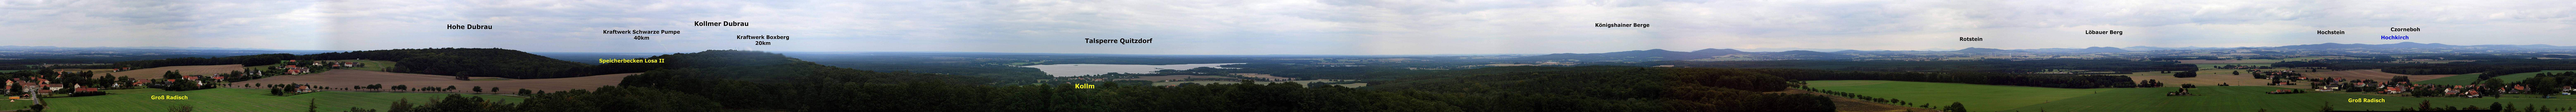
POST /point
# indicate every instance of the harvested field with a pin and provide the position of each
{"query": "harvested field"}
(2372, 74)
(345, 78)
(155, 72)
(92, 70)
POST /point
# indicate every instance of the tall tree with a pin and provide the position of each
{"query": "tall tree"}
(1955, 107)
(173, 74)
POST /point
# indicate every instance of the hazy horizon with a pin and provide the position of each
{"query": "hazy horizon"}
(1271, 27)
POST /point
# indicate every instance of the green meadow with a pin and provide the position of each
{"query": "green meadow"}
(1981, 98)
(241, 100)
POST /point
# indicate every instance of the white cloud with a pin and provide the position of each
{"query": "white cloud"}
(1268, 27)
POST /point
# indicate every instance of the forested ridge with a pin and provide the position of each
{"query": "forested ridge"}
(751, 80)
(1991, 66)
(475, 62)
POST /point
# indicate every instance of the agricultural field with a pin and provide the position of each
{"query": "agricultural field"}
(2248, 98)
(2215, 66)
(2250, 64)
(2248, 61)
(1846, 104)
(7, 71)
(1981, 98)
(2507, 78)
(155, 72)
(22, 104)
(132, 91)
(90, 70)
(242, 100)
(346, 78)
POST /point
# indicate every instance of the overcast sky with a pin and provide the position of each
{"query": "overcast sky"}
(1270, 26)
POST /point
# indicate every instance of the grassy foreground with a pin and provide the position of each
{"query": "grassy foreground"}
(241, 100)
(1987, 98)
(1980, 98)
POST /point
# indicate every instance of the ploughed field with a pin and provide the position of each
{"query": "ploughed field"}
(338, 79)
(155, 72)
(1983, 98)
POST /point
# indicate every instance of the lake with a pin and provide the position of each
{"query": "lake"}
(1067, 70)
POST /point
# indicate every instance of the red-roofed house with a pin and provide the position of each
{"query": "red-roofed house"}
(50, 86)
(2393, 90)
(304, 88)
(2471, 94)
(84, 89)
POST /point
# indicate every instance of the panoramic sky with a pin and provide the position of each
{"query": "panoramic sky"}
(1349, 27)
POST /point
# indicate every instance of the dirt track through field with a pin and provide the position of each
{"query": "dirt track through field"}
(155, 72)
(343, 78)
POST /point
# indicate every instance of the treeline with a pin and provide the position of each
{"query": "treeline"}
(2490, 67)
(2055, 81)
(1365, 73)
(472, 62)
(1613, 88)
(253, 60)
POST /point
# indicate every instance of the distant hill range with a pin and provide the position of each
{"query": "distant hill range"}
(1984, 50)
(2368, 46)
(2099, 50)
(1734, 54)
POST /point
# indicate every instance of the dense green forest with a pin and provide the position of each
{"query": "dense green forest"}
(1994, 66)
(263, 59)
(474, 62)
